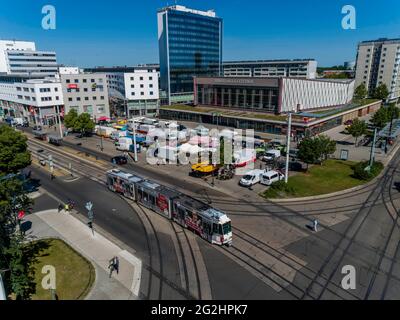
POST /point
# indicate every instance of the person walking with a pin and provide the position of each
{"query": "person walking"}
(116, 264)
(111, 266)
(315, 225)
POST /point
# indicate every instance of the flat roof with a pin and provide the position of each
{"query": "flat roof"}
(267, 61)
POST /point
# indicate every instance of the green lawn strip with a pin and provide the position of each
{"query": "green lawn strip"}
(332, 176)
(75, 275)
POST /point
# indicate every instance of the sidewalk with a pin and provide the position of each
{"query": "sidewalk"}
(97, 249)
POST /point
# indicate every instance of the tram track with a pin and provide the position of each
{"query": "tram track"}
(345, 237)
(152, 240)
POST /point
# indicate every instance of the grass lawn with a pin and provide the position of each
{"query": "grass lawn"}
(74, 274)
(332, 176)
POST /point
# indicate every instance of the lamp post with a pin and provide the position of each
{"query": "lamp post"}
(289, 126)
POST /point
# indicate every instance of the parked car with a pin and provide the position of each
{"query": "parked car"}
(270, 177)
(271, 154)
(119, 160)
(251, 178)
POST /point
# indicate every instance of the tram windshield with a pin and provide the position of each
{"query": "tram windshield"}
(226, 227)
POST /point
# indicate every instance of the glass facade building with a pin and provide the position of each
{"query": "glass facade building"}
(190, 44)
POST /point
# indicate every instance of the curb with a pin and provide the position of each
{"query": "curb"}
(338, 193)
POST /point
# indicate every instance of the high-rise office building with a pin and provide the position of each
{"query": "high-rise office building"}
(190, 44)
(378, 62)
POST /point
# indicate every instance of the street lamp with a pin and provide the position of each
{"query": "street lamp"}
(289, 127)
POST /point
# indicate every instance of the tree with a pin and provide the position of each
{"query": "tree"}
(393, 112)
(309, 151)
(380, 118)
(360, 92)
(13, 150)
(381, 92)
(84, 124)
(326, 146)
(13, 198)
(70, 118)
(357, 129)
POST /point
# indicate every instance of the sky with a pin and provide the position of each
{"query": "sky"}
(124, 32)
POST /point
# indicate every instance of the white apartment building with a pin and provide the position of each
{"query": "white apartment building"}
(36, 100)
(21, 58)
(378, 62)
(85, 92)
(138, 88)
(299, 68)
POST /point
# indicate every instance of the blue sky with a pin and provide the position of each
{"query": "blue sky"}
(124, 32)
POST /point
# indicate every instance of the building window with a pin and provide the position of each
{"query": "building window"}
(57, 98)
(142, 93)
(151, 93)
(84, 80)
(32, 90)
(142, 86)
(67, 81)
(102, 98)
(69, 99)
(86, 98)
(101, 108)
(85, 89)
(141, 78)
(92, 80)
(132, 86)
(94, 98)
(150, 78)
(78, 99)
(150, 85)
(76, 80)
(56, 89)
(132, 78)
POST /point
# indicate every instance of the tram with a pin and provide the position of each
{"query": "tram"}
(197, 216)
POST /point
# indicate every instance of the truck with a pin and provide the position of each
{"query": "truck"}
(127, 143)
(105, 131)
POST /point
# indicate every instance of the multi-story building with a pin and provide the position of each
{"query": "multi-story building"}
(378, 62)
(36, 100)
(190, 44)
(298, 68)
(273, 95)
(137, 87)
(86, 93)
(29, 86)
(21, 58)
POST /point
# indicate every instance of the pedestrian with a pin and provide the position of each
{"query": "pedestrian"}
(315, 225)
(52, 177)
(116, 264)
(111, 266)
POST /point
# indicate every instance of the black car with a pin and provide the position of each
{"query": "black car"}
(119, 160)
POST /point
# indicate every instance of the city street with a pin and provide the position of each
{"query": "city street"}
(275, 254)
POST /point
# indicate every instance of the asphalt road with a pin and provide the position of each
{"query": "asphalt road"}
(272, 242)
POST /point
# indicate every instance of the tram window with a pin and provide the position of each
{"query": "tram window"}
(152, 200)
(220, 229)
(145, 196)
(140, 193)
(215, 228)
(227, 227)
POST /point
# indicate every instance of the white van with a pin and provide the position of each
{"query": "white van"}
(251, 178)
(124, 144)
(168, 153)
(269, 177)
(271, 154)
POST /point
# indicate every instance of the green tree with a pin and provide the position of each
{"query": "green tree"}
(380, 118)
(393, 112)
(84, 124)
(360, 92)
(326, 146)
(13, 150)
(381, 92)
(357, 129)
(309, 151)
(70, 118)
